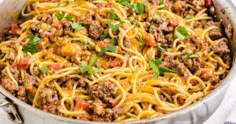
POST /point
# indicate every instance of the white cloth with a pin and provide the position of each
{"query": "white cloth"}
(227, 109)
(231, 119)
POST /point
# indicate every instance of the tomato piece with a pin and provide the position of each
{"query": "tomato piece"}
(42, 45)
(56, 67)
(175, 23)
(63, 22)
(55, 26)
(81, 104)
(207, 74)
(188, 40)
(103, 63)
(118, 50)
(4, 83)
(208, 3)
(100, 12)
(116, 62)
(112, 102)
(29, 87)
(149, 41)
(24, 63)
(14, 28)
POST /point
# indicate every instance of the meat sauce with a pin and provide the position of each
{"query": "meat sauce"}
(102, 96)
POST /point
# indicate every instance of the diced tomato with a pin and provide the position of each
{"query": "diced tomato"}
(56, 67)
(116, 62)
(103, 62)
(207, 74)
(188, 40)
(102, 43)
(81, 104)
(42, 45)
(55, 26)
(63, 22)
(149, 41)
(99, 11)
(24, 63)
(4, 82)
(118, 50)
(29, 87)
(208, 3)
(112, 102)
(14, 28)
(175, 23)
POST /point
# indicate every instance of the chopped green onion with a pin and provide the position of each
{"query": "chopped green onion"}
(44, 69)
(76, 26)
(108, 48)
(181, 33)
(190, 56)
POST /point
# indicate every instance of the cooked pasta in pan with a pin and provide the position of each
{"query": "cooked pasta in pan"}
(114, 60)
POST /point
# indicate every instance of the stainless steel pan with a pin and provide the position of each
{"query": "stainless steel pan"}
(196, 113)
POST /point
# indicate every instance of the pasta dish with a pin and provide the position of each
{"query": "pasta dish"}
(114, 60)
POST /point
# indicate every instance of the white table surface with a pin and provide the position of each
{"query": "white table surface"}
(219, 117)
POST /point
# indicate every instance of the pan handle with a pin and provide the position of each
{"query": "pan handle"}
(10, 109)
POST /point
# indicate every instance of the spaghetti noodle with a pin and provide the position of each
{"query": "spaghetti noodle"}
(113, 60)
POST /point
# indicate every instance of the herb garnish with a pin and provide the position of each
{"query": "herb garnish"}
(89, 68)
(138, 7)
(60, 16)
(190, 56)
(76, 26)
(112, 14)
(32, 45)
(44, 69)
(189, 16)
(104, 35)
(181, 33)
(114, 27)
(157, 69)
(108, 48)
